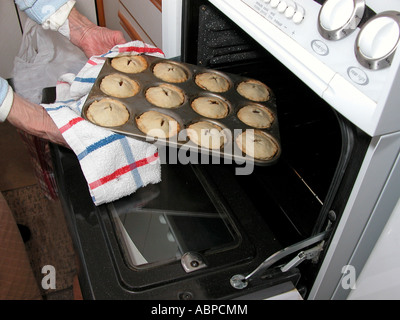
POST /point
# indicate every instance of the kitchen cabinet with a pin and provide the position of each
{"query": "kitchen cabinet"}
(142, 20)
(155, 22)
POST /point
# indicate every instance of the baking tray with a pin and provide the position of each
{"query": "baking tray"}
(184, 114)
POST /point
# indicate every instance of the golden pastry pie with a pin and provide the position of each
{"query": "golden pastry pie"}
(256, 116)
(108, 113)
(156, 124)
(254, 90)
(257, 144)
(130, 64)
(211, 107)
(119, 86)
(212, 82)
(207, 135)
(170, 72)
(165, 96)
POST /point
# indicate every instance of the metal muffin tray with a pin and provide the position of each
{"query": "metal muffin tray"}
(184, 114)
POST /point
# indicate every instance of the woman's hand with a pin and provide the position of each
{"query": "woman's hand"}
(92, 39)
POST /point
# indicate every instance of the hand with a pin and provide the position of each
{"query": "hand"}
(98, 40)
(92, 39)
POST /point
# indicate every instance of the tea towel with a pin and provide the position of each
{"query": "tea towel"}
(114, 165)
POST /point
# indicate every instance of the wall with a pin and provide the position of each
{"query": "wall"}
(10, 36)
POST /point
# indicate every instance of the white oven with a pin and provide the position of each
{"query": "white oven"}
(345, 51)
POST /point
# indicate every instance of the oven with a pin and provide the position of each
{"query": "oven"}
(298, 227)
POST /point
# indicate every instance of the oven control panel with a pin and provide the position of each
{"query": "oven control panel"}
(289, 8)
(345, 50)
(332, 33)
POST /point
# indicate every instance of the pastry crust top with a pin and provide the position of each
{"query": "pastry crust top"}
(129, 64)
(108, 113)
(207, 135)
(254, 90)
(119, 86)
(256, 144)
(165, 96)
(256, 116)
(212, 82)
(211, 107)
(157, 124)
(170, 72)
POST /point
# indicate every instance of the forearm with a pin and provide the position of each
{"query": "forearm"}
(34, 119)
(62, 16)
(79, 26)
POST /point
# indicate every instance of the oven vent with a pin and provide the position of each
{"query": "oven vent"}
(221, 42)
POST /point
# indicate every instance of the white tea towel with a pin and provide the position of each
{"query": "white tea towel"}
(114, 165)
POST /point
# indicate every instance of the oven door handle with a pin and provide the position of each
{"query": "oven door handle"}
(240, 281)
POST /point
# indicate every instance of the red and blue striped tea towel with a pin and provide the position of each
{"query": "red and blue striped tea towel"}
(114, 165)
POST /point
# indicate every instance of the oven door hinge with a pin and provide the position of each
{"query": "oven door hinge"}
(240, 281)
(309, 254)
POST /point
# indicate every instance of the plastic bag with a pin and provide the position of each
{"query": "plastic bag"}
(43, 57)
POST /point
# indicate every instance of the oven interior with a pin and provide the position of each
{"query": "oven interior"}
(312, 135)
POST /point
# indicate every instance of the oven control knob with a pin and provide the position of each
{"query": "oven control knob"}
(282, 6)
(290, 9)
(274, 3)
(378, 40)
(339, 18)
(299, 15)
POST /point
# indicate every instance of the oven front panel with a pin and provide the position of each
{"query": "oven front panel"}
(328, 67)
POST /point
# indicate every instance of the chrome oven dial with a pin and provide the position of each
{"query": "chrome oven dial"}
(378, 40)
(339, 18)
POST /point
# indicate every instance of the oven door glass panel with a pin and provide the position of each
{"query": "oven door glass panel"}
(159, 223)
